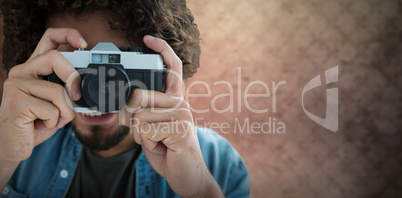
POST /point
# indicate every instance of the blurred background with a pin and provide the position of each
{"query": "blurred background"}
(294, 41)
(3, 74)
(249, 45)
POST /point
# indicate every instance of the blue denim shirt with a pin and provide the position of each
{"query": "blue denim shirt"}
(49, 171)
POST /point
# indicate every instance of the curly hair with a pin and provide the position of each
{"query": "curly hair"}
(171, 20)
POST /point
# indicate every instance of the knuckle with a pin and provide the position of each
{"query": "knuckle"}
(70, 31)
(54, 55)
(49, 31)
(177, 61)
(183, 103)
(15, 98)
(58, 90)
(69, 115)
(137, 93)
(137, 97)
(52, 111)
(60, 94)
(186, 114)
(164, 45)
(9, 82)
(14, 71)
(138, 117)
(184, 125)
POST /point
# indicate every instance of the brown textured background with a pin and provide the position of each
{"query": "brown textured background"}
(294, 41)
(3, 74)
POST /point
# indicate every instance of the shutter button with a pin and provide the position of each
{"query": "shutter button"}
(6, 191)
(63, 173)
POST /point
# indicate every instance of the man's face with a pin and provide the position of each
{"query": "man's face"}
(96, 132)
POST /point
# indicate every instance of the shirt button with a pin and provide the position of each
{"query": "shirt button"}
(6, 191)
(63, 173)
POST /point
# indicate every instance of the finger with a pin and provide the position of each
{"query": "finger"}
(39, 125)
(135, 130)
(155, 101)
(46, 64)
(53, 37)
(35, 108)
(147, 98)
(149, 115)
(50, 92)
(174, 72)
(152, 136)
(143, 130)
(42, 135)
(174, 135)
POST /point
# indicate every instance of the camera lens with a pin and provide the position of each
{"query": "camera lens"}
(106, 88)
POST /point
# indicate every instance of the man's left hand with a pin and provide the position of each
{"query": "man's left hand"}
(163, 124)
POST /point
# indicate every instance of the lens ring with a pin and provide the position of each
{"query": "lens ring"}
(104, 92)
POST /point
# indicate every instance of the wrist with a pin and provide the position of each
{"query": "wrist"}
(209, 188)
(6, 171)
(7, 162)
(8, 166)
(213, 189)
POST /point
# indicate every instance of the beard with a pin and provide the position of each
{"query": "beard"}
(98, 140)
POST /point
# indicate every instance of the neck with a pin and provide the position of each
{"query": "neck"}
(127, 143)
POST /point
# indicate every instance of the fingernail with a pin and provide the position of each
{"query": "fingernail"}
(78, 95)
(83, 43)
(151, 37)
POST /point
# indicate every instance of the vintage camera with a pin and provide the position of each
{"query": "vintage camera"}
(109, 75)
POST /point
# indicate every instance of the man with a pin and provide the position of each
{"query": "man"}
(48, 150)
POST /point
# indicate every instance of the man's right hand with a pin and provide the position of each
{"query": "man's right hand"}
(33, 109)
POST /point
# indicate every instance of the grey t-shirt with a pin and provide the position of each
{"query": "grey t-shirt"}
(105, 177)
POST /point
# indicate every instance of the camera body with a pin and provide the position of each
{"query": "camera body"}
(108, 76)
